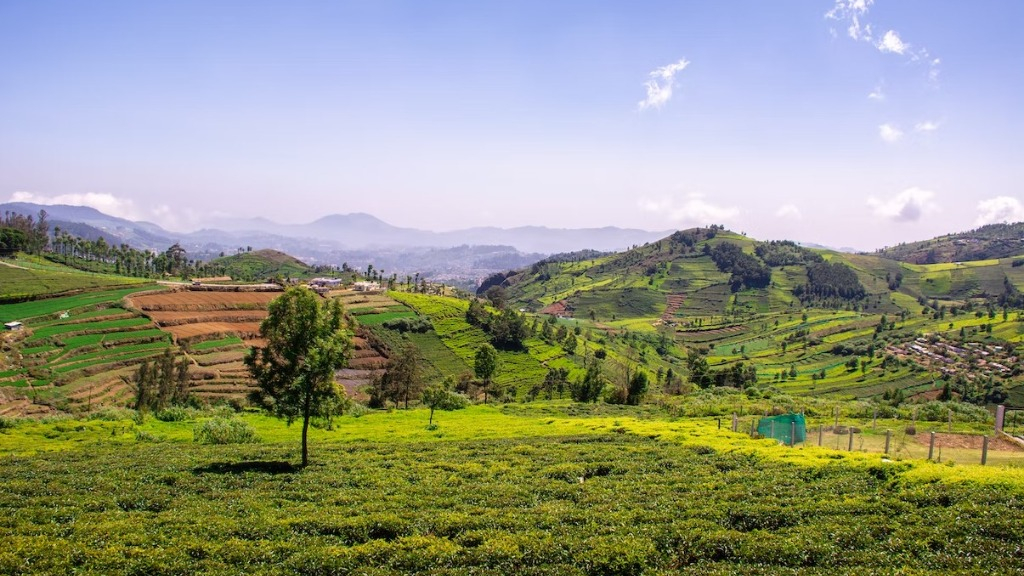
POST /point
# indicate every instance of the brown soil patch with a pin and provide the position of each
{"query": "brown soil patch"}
(199, 301)
(560, 308)
(968, 441)
(674, 303)
(243, 329)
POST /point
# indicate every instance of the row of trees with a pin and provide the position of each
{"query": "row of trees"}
(162, 383)
(738, 375)
(19, 232)
(507, 329)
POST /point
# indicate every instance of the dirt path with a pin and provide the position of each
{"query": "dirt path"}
(9, 265)
(675, 302)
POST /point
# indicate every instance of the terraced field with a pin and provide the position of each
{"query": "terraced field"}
(217, 328)
(76, 352)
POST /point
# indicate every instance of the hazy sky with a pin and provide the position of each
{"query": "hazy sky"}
(848, 123)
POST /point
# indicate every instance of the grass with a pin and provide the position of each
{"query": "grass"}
(523, 489)
(34, 282)
(27, 310)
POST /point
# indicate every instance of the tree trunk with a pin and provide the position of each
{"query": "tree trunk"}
(431, 422)
(305, 428)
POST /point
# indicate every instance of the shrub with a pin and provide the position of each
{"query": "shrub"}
(224, 431)
(357, 410)
(145, 436)
(113, 414)
(174, 414)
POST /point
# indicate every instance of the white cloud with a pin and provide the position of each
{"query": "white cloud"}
(933, 70)
(789, 211)
(694, 209)
(852, 11)
(926, 126)
(659, 87)
(999, 209)
(891, 42)
(907, 206)
(890, 133)
(106, 203)
(877, 94)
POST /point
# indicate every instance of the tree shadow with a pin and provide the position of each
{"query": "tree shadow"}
(250, 466)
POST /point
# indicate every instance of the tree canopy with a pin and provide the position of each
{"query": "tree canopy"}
(306, 343)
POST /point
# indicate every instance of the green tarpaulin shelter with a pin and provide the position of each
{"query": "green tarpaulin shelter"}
(782, 428)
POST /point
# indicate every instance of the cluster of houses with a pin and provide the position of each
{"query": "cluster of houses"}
(324, 285)
(951, 359)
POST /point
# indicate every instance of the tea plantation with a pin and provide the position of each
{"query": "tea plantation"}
(520, 490)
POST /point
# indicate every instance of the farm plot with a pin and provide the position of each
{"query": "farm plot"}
(218, 328)
(189, 301)
(516, 370)
(79, 352)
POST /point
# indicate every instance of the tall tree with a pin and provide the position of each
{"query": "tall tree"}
(401, 380)
(306, 343)
(485, 365)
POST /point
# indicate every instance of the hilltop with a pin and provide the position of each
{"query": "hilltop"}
(260, 265)
(984, 243)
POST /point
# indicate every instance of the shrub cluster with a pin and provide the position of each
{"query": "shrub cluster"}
(224, 431)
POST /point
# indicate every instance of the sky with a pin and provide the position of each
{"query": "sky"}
(846, 123)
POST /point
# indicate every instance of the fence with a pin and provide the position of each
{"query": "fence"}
(897, 438)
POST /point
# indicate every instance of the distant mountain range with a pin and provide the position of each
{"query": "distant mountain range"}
(357, 239)
(342, 231)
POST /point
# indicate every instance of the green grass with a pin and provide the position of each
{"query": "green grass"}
(221, 342)
(37, 282)
(373, 319)
(86, 327)
(26, 310)
(524, 490)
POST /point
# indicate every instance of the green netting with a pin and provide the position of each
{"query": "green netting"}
(782, 428)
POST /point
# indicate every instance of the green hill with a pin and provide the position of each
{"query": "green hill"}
(27, 277)
(985, 243)
(809, 321)
(260, 265)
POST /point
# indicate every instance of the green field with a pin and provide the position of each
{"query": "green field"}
(27, 278)
(33, 310)
(524, 490)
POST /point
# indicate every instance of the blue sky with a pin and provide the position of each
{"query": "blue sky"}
(848, 123)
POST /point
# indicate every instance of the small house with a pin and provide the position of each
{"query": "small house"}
(13, 325)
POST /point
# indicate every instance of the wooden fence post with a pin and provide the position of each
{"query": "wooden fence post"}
(821, 435)
(984, 450)
(850, 447)
(931, 445)
(888, 436)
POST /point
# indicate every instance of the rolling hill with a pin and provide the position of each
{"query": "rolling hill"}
(261, 265)
(820, 322)
(985, 243)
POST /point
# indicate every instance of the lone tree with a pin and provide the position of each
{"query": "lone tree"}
(484, 366)
(441, 396)
(306, 343)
